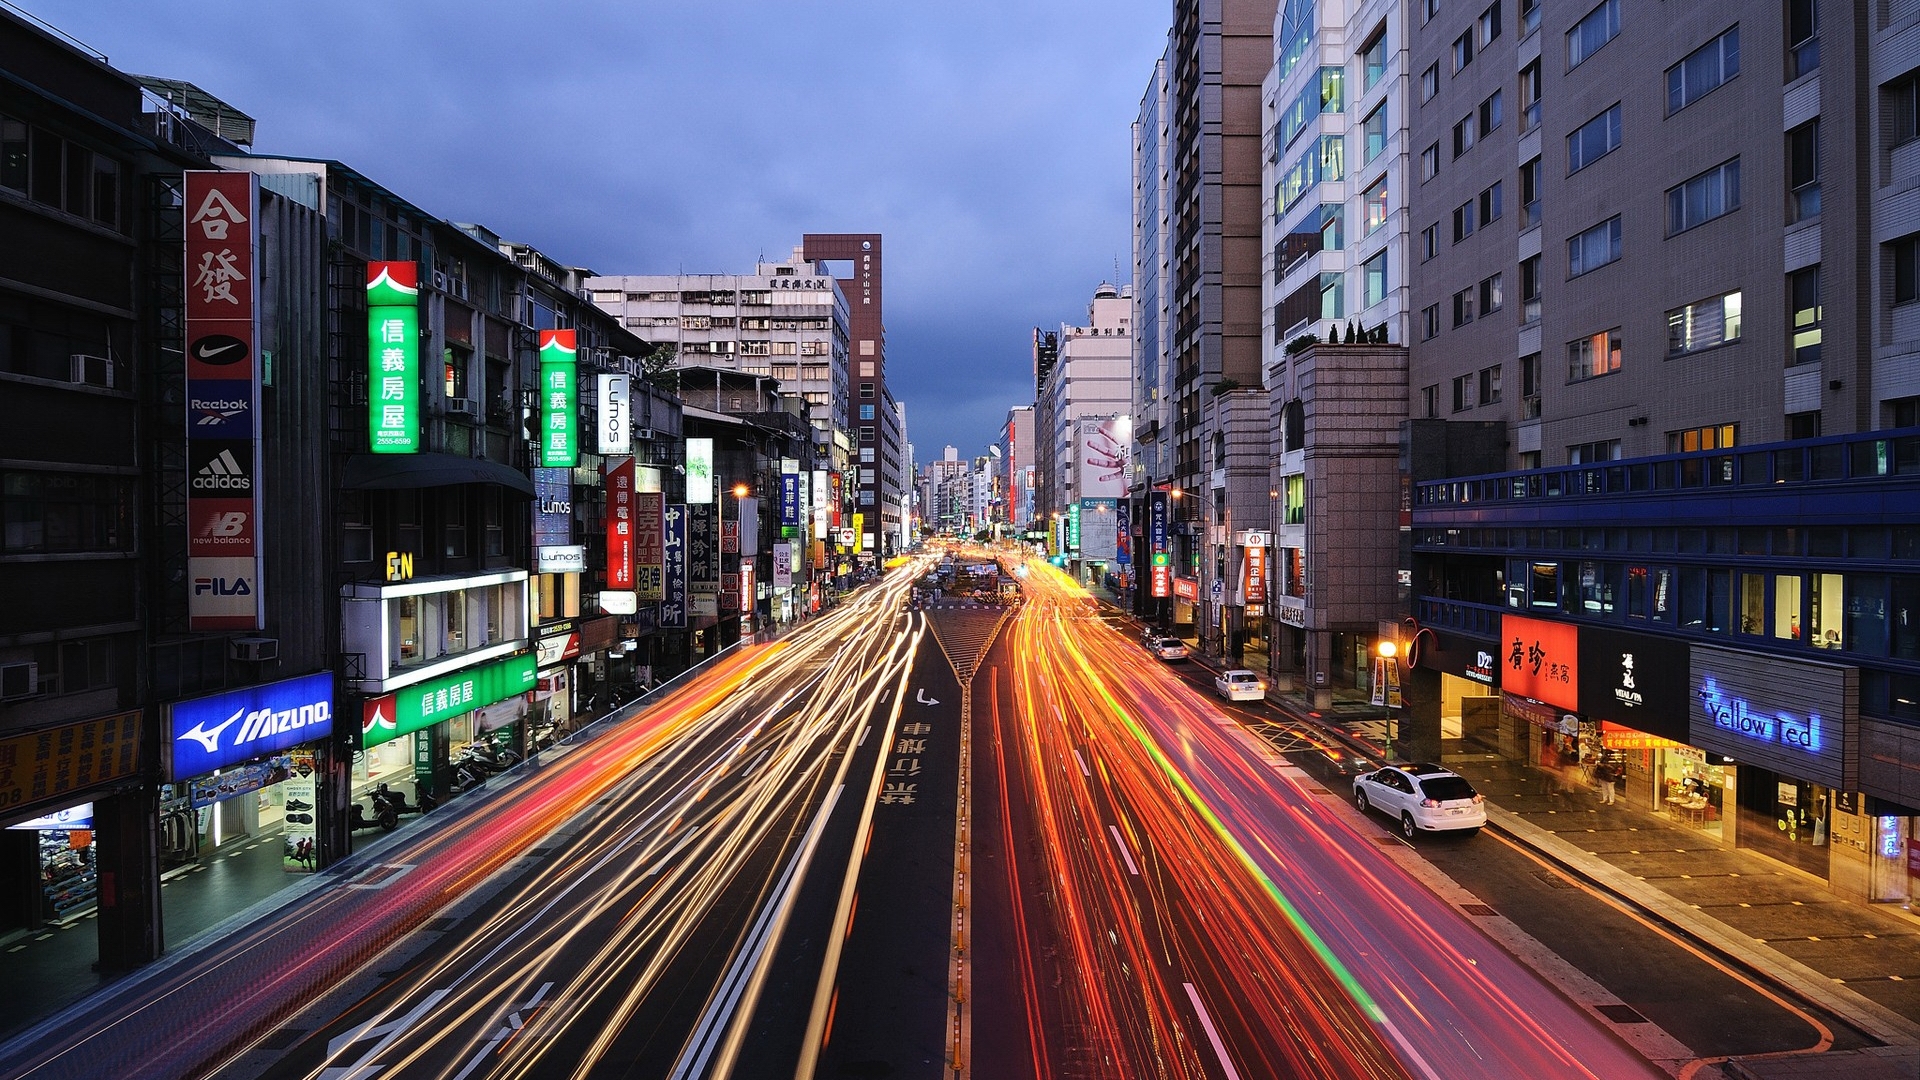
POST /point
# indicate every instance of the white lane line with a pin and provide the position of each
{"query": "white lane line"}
(1124, 853)
(1084, 771)
(864, 732)
(1213, 1034)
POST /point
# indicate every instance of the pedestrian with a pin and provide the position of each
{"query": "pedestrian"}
(1608, 774)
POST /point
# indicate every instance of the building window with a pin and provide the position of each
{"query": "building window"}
(1529, 16)
(1803, 425)
(1430, 400)
(1594, 140)
(1492, 294)
(1430, 163)
(1490, 205)
(1712, 194)
(1530, 289)
(1530, 194)
(1530, 386)
(1376, 280)
(1293, 489)
(1327, 94)
(1715, 437)
(1462, 308)
(45, 513)
(1598, 27)
(1703, 324)
(866, 412)
(1492, 113)
(1803, 37)
(1316, 232)
(1490, 385)
(1462, 51)
(1703, 70)
(1463, 221)
(1900, 107)
(1530, 97)
(1333, 295)
(866, 433)
(1429, 322)
(1324, 160)
(1803, 169)
(1429, 82)
(1462, 393)
(1463, 135)
(1429, 242)
(1490, 24)
(1374, 199)
(1588, 453)
(1592, 357)
(1373, 59)
(1904, 253)
(1375, 129)
(1803, 295)
(866, 389)
(1594, 248)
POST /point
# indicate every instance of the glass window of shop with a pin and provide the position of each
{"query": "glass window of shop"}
(1784, 818)
(1692, 790)
(1786, 606)
(1753, 603)
(1825, 608)
(434, 625)
(1903, 624)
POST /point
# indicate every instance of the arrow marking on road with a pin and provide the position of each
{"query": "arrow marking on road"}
(387, 1033)
(923, 699)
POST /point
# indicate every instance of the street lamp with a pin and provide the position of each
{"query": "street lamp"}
(1389, 651)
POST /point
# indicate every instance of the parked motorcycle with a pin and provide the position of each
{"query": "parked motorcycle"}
(389, 797)
(384, 818)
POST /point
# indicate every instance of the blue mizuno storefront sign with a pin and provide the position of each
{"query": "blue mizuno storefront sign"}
(204, 734)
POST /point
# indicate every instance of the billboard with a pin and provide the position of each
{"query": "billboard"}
(222, 212)
(204, 734)
(1104, 457)
(703, 556)
(789, 500)
(423, 705)
(1099, 537)
(552, 507)
(559, 401)
(649, 555)
(616, 414)
(393, 357)
(1541, 660)
(1159, 557)
(620, 508)
(41, 768)
(673, 547)
(700, 471)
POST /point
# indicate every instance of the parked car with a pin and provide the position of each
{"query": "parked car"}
(1168, 648)
(1421, 796)
(1239, 684)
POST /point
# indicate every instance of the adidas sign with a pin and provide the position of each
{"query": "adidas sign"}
(223, 473)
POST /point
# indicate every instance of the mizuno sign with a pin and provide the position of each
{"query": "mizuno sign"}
(209, 733)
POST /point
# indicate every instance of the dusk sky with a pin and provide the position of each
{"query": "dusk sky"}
(988, 142)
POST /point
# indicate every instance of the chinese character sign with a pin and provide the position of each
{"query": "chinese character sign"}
(221, 213)
(620, 520)
(393, 357)
(1157, 547)
(789, 500)
(1540, 660)
(782, 565)
(559, 401)
(673, 545)
(649, 556)
(703, 563)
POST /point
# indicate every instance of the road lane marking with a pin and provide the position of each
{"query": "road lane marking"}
(864, 732)
(1124, 853)
(1084, 771)
(1213, 1034)
(923, 699)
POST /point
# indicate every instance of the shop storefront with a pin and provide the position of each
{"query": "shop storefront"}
(1786, 723)
(46, 780)
(240, 766)
(430, 725)
(1469, 703)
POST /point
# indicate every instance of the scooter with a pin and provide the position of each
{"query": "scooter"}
(384, 796)
(384, 817)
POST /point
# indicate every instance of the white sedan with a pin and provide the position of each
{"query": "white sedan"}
(1239, 684)
(1168, 648)
(1421, 796)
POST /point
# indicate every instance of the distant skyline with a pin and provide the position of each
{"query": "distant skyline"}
(699, 138)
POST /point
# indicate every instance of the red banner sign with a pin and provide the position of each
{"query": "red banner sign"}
(1255, 584)
(1541, 660)
(620, 508)
(1186, 589)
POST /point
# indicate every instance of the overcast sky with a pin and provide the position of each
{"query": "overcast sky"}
(987, 141)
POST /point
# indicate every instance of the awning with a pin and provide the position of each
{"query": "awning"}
(377, 472)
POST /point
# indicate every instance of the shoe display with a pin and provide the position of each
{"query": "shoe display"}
(300, 819)
(295, 805)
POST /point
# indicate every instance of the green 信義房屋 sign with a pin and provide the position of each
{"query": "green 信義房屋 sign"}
(413, 708)
(393, 357)
(559, 401)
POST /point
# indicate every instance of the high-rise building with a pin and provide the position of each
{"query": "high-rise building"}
(879, 440)
(1091, 382)
(1013, 477)
(1643, 524)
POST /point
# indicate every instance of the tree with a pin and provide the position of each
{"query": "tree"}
(660, 368)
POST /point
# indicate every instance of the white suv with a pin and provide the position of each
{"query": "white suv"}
(1421, 796)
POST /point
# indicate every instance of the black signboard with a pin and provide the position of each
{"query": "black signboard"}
(1634, 679)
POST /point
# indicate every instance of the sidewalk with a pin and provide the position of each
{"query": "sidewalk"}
(1859, 961)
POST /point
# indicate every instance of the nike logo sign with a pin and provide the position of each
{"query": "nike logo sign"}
(211, 739)
(206, 353)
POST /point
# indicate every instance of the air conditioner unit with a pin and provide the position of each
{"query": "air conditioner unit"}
(644, 434)
(460, 406)
(440, 280)
(19, 681)
(256, 649)
(91, 371)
